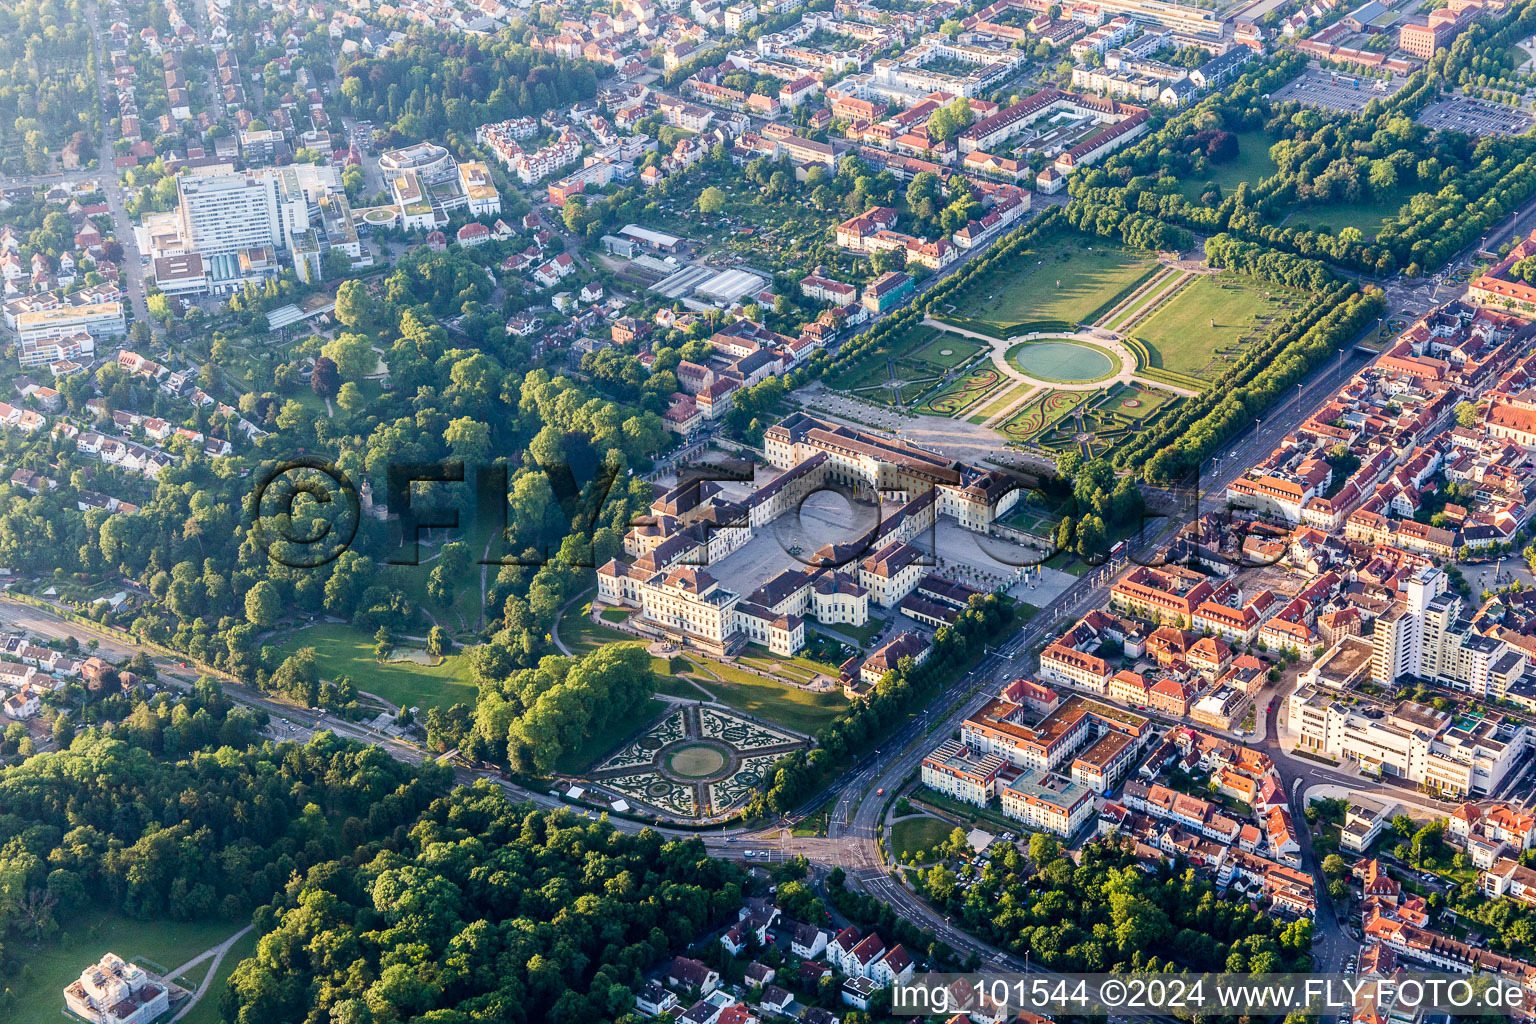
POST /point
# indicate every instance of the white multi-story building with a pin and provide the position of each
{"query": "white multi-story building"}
(39, 327)
(225, 213)
(115, 992)
(1409, 741)
(479, 189)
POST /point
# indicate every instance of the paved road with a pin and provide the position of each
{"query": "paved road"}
(132, 269)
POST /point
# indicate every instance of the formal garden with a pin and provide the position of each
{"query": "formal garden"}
(1067, 279)
(693, 762)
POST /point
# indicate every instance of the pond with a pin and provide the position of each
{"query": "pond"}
(1063, 361)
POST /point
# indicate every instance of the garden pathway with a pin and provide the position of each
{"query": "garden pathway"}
(218, 953)
(1127, 374)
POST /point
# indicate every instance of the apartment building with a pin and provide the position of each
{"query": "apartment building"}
(1409, 741)
(1042, 800)
(1014, 731)
(958, 771)
(1170, 593)
(35, 330)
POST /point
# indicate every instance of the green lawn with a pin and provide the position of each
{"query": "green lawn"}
(1366, 214)
(207, 1010)
(155, 945)
(1069, 278)
(1180, 336)
(1000, 400)
(916, 352)
(342, 650)
(789, 706)
(614, 614)
(863, 634)
(797, 666)
(1252, 165)
(945, 351)
(582, 635)
(918, 835)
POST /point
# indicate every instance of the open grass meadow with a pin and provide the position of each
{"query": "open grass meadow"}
(1252, 165)
(343, 650)
(1192, 333)
(207, 1009)
(155, 945)
(1068, 279)
(1366, 214)
(918, 835)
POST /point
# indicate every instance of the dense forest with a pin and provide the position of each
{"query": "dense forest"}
(483, 911)
(47, 84)
(108, 825)
(1106, 914)
(434, 84)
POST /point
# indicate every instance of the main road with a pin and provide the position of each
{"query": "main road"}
(851, 842)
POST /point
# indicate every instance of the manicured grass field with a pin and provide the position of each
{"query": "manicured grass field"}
(789, 706)
(582, 635)
(342, 650)
(1000, 400)
(207, 1009)
(614, 614)
(1252, 165)
(860, 633)
(874, 367)
(167, 944)
(918, 835)
(1180, 335)
(946, 351)
(1070, 278)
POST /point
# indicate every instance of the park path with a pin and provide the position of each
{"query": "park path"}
(218, 953)
(1008, 410)
(554, 628)
(1128, 374)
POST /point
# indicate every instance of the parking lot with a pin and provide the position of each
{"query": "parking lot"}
(1318, 88)
(1475, 117)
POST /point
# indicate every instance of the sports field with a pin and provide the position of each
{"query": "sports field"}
(1064, 281)
(1180, 336)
